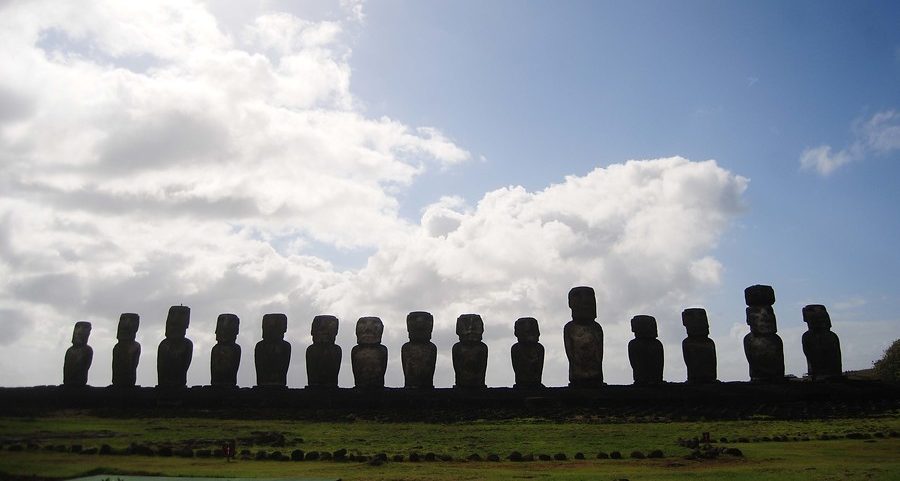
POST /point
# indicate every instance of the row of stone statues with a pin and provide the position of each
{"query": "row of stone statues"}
(583, 338)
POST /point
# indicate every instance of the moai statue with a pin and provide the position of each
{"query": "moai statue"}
(323, 356)
(126, 352)
(173, 357)
(369, 357)
(273, 353)
(763, 347)
(821, 346)
(225, 357)
(79, 356)
(698, 349)
(645, 352)
(527, 354)
(470, 355)
(419, 355)
(583, 338)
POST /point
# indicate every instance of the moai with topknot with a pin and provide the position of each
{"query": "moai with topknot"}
(273, 353)
(225, 357)
(78, 356)
(127, 351)
(821, 346)
(763, 347)
(470, 355)
(419, 355)
(173, 357)
(645, 352)
(698, 349)
(323, 356)
(369, 357)
(583, 339)
(527, 354)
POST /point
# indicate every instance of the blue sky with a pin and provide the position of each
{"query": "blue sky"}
(378, 158)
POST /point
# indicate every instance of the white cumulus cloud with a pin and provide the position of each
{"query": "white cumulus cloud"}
(149, 157)
(878, 135)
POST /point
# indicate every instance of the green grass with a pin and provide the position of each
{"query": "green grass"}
(876, 458)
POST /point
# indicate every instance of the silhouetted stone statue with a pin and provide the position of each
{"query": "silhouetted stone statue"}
(273, 353)
(323, 356)
(583, 338)
(645, 352)
(419, 355)
(369, 357)
(821, 346)
(470, 354)
(527, 354)
(225, 357)
(174, 354)
(127, 352)
(698, 349)
(763, 347)
(78, 356)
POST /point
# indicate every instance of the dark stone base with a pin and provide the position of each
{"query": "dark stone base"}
(722, 400)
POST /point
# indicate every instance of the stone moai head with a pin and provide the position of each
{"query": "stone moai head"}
(128, 326)
(81, 333)
(324, 329)
(526, 329)
(583, 303)
(761, 320)
(419, 324)
(469, 327)
(816, 317)
(644, 327)
(227, 326)
(369, 330)
(177, 321)
(274, 325)
(759, 295)
(695, 322)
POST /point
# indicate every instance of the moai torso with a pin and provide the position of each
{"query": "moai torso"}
(78, 357)
(323, 356)
(698, 349)
(470, 354)
(225, 358)
(645, 352)
(763, 347)
(174, 354)
(821, 346)
(126, 352)
(369, 357)
(527, 354)
(419, 355)
(273, 353)
(583, 339)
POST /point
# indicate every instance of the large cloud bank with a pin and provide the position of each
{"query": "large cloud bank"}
(150, 156)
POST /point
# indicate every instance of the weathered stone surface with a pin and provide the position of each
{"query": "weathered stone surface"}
(419, 355)
(470, 354)
(583, 339)
(527, 354)
(759, 295)
(698, 349)
(127, 352)
(79, 356)
(763, 348)
(369, 357)
(645, 352)
(821, 346)
(273, 353)
(175, 352)
(225, 358)
(323, 356)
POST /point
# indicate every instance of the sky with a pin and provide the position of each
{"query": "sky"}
(373, 159)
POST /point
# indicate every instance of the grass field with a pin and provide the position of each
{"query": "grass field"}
(876, 455)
